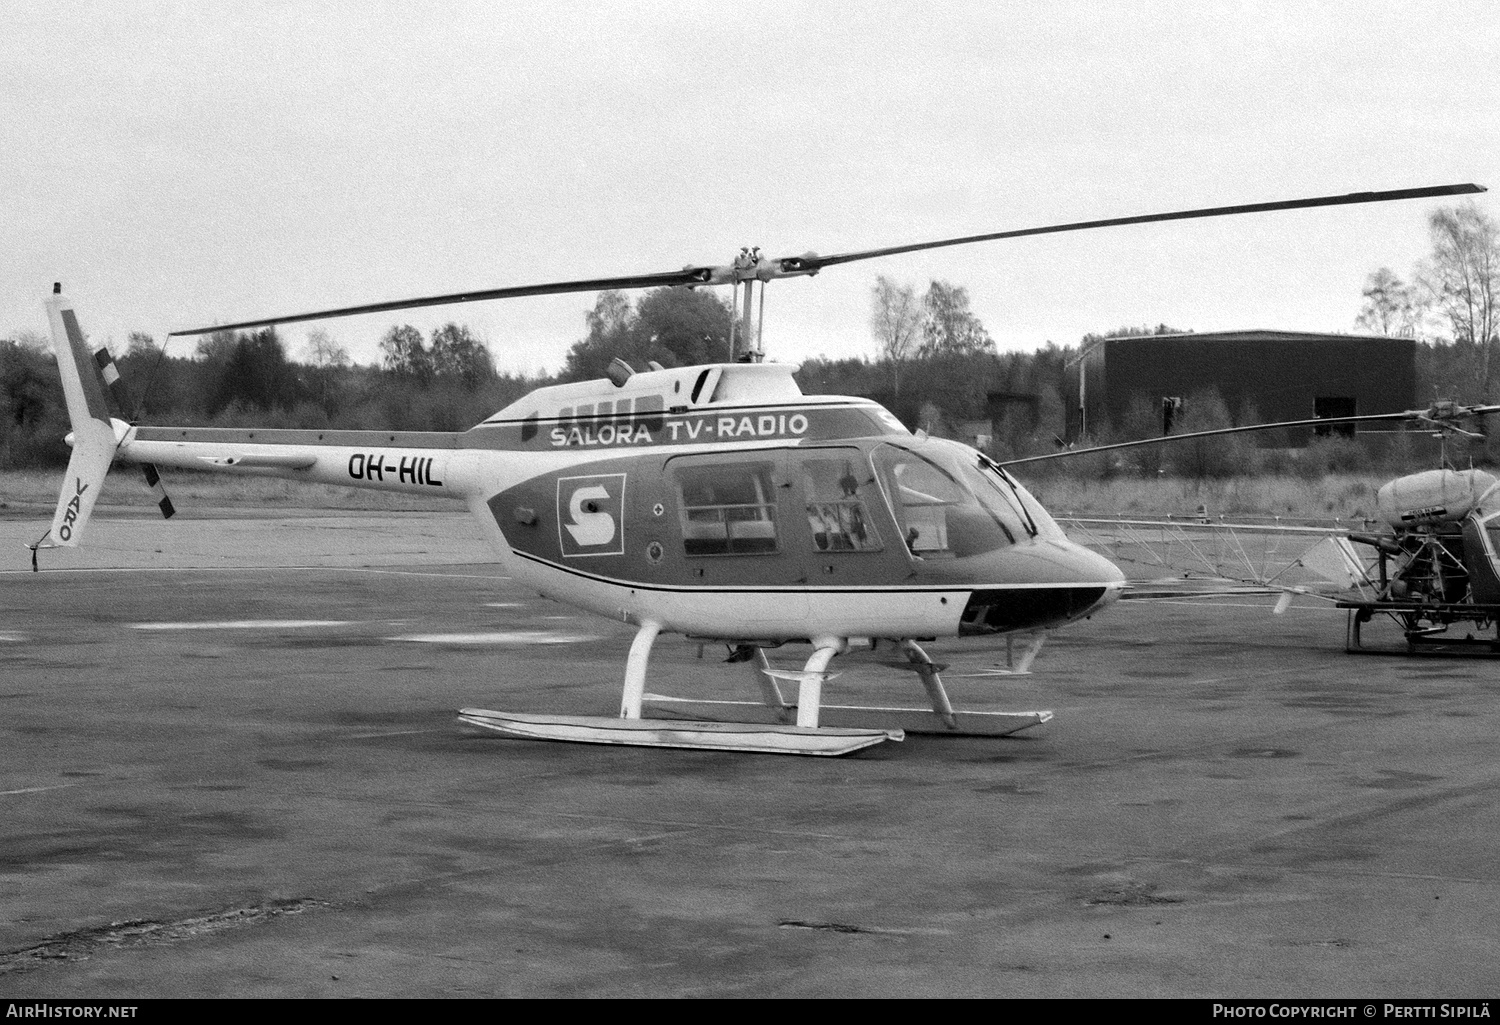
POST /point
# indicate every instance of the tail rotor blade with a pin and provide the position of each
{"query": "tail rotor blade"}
(115, 383)
(163, 500)
(123, 403)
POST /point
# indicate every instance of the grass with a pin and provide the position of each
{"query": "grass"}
(1344, 496)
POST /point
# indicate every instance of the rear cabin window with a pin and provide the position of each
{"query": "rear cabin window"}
(836, 491)
(727, 509)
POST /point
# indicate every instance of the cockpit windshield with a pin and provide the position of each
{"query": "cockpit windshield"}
(947, 504)
(1041, 522)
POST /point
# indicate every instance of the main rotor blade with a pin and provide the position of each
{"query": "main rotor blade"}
(811, 263)
(687, 276)
(1322, 421)
(814, 262)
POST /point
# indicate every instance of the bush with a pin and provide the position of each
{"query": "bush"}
(1333, 454)
(33, 419)
(1210, 458)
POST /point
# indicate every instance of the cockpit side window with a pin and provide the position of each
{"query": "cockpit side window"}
(727, 508)
(1492, 528)
(836, 490)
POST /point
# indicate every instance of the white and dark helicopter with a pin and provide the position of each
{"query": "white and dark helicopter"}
(1427, 563)
(717, 502)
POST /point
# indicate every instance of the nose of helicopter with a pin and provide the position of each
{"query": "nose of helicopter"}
(1091, 566)
(1040, 585)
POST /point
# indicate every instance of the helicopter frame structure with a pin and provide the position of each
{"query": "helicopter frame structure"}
(1429, 580)
(1434, 566)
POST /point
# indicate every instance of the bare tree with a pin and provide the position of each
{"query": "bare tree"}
(324, 377)
(896, 323)
(1392, 307)
(1463, 280)
(140, 344)
(33, 340)
(949, 327)
(610, 316)
(457, 354)
(402, 353)
(323, 351)
(215, 348)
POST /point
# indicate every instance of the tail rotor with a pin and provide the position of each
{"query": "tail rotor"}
(121, 395)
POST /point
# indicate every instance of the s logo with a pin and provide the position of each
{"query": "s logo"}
(590, 529)
(591, 515)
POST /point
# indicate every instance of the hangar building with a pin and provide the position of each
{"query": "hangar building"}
(1281, 375)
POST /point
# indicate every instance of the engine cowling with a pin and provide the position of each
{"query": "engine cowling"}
(1432, 497)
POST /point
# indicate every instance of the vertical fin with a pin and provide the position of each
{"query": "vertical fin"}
(94, 440)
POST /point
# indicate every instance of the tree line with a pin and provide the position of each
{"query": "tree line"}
(447, 382)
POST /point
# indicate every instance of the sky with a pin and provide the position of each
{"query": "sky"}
(183, 164)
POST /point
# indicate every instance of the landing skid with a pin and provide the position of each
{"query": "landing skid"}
(1425, 629)
(908, 720)
(941, 718)
(800, 726)
(767, 738)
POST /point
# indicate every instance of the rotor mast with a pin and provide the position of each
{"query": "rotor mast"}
(748, 268)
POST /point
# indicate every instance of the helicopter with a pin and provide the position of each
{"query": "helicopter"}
(718, 502)
(1434, 562)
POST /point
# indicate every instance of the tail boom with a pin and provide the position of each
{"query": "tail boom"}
(428, 463)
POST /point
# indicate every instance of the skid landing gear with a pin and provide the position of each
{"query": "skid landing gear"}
(1469, 631)
(806, 709)
(796, 721)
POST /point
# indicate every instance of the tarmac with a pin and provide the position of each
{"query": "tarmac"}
(230, 766)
